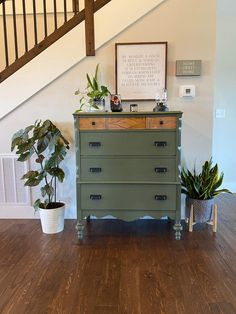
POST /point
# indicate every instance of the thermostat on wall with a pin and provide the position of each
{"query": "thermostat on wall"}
(187, 91)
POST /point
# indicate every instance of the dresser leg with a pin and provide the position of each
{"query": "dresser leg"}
(80, 228)
(178, 228)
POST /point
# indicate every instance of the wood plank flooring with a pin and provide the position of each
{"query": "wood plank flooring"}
(127, 268)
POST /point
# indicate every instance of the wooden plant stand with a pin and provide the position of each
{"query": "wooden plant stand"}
(213, 222)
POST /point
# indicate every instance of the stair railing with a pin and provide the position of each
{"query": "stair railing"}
(30, 26)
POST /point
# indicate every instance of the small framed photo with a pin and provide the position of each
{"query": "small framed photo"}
(140, 69)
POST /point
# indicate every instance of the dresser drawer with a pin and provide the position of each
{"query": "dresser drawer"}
(161, 122)
(128, 169)
(129, 123)
(92, 123)
(126, 123)
(128, 197)
(128, 143)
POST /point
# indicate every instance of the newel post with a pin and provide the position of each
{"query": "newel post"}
(89, 28)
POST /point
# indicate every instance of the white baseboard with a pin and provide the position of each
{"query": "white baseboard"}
(17, 212)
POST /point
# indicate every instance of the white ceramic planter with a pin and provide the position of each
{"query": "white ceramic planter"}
(52, 220)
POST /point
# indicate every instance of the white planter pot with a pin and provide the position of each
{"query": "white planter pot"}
(52, 220)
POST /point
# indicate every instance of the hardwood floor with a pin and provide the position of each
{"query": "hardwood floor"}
(120, 267)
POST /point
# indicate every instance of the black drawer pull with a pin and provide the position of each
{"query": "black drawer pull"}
(95, 169)
(160, 197)
(95, 196)
(160, 143)
(94, 144)
(160, 169)
(161, 122)
(93, 123)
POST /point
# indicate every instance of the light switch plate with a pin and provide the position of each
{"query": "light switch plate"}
(220, 113)
(187, 91)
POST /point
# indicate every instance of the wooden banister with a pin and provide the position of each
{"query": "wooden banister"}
(89, 28)
(69, 22)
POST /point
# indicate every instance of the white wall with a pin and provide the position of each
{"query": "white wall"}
(224, 148)
(64, 53)
(189, 28)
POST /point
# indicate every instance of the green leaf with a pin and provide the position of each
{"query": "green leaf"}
(25, 146)
(36, 204)
(47, 190)
(24, 156)
(17, 139)
(42, 144)
(30, 174)
(32, 181)
(96, 72)
(58, 173)
(95, 84)
(90, 84)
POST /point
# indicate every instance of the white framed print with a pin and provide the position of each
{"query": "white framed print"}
(140, 69)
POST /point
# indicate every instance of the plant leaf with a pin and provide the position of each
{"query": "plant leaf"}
(30, 174)
(36, 204)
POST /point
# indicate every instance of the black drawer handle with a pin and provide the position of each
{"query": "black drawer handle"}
(160, 169)
(95, 196)
(160, 143)
(160, 197)
(161, 122)
(94, 144)
(95, 169)
(93, 123)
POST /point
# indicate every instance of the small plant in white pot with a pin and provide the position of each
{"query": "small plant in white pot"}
(44, 143)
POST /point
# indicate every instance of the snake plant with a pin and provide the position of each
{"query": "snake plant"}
(204, 185)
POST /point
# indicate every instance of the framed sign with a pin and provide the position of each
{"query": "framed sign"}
(140, 69)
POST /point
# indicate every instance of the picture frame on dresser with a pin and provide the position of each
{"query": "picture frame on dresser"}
(141, 69)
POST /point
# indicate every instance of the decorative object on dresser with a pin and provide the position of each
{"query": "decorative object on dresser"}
(115, 102)
(161, 100)
(133, 108)
(200, 190)
(94, 95)
(128, 165)
(44, 143)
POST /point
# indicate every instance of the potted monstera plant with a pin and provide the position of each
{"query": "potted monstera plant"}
(44, 144)
(200, 189)
(94, 94)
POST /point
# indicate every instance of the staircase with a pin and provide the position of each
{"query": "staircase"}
(45, 34)
(64, 18)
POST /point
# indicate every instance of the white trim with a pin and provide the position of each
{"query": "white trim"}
(3, 181)
(17, 212)
(14, 179)
(13, 158)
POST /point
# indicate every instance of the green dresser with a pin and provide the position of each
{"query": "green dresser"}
(128, 165)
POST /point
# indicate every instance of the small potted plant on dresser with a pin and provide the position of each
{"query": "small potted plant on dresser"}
(200, 190)
(44, 143)
(94, 94)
